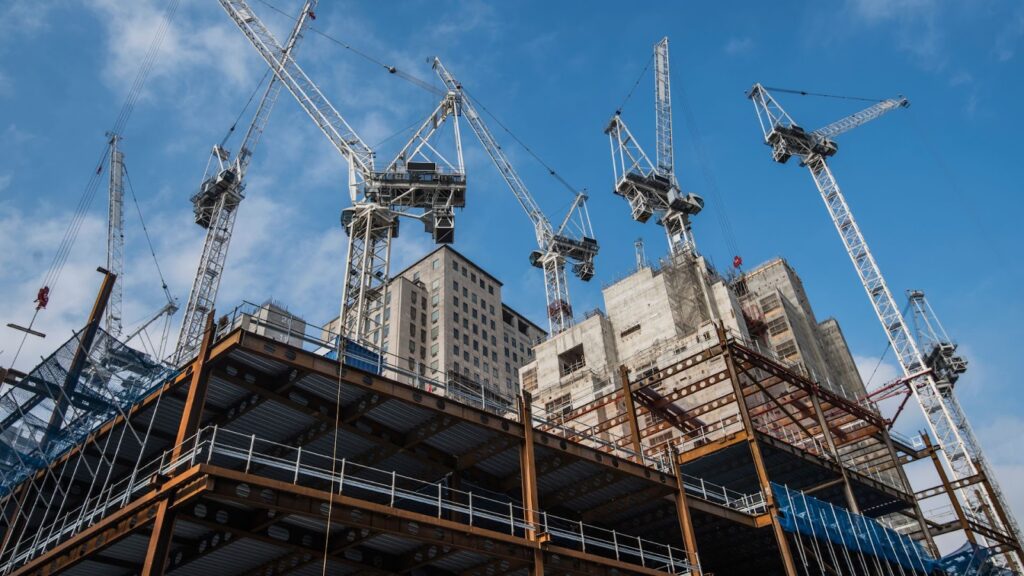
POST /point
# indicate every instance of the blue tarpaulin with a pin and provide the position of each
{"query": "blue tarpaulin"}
(972, 560)
(811, 517)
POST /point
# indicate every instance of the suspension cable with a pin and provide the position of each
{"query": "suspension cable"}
(635, 84)
(248, 103)
(145, 231)
(821, 95)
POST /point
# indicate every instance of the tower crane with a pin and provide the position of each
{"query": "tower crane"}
(215, 207)
(556, 246)
(115, 235)
(651, 187)
(113, 320)
(420, 183)
(929, 382)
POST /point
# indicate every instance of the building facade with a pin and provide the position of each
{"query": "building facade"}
(444, 320)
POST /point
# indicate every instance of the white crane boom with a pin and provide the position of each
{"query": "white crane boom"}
(360, 157)
(216, 206)
(651, 187)
(115, 236)
(555, 246)
(946, 419)
(663, 110)
(419, 178)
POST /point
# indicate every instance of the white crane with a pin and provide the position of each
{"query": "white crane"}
(651, 187)
(978, 488)
(115, 235)
(216, 206)
(421, 178)
(556, 246)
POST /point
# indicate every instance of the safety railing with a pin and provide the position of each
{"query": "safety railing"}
(342, 476)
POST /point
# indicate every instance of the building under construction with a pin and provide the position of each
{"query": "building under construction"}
(699, 424)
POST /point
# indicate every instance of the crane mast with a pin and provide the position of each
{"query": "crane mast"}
(651, 187)
(947, 421)
(115, 236)
(216, 205)
(420, 179)
(556, 247)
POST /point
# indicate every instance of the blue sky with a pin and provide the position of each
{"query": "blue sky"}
(934, 187)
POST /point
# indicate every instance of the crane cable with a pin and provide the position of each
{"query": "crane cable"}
(821, 94)
(145, 231)
(629, 94)
(423, 84)
(53, 274)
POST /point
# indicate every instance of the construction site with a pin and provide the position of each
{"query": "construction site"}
(697, 423)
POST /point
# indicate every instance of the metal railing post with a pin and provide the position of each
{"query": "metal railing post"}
(213, 442)
(439, 500)
(640, 546)
(393, 488)
(615, 543)
(248, 457)
(511, 520)
(341, 477)
(470, 508)
(583, 537)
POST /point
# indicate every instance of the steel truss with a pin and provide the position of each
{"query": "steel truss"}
(947, 421)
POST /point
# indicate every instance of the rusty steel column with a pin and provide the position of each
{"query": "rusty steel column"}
(851, 501)
(683, 514)
(918, 513)
(933, 453)
(191, 416)
(755, 452)
(634, 425)
(528, 473)
(1005, 521)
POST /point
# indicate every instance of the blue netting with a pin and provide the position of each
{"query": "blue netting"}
(972, 560)
(114, 378)
(811, 517)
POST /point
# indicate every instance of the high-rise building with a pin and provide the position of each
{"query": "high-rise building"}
(780, 315)
(445, 320)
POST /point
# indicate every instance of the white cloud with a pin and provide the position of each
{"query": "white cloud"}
(875, 373)
(916, 26)
(738, 45)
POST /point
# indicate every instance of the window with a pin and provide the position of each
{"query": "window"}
(476, 346)
(435, 299)
(455, 299)
(474, 313)
(778, 326)
(508, 367)
(455, 333)
(455, 349)
(433, 333)
(423, 335)
(494, 355)
(465, 307)
(465, 339)
(455, 316)
(786, 349)
(433, 350)
(434, 316)
(492, 308)
(465, 355)
(465, 293)
(456, 366)
(412, 345)
(423, 316)
(492, 324)
(506, 351)
(474, 330)
(560, 405)
(433, 365)
(494, 341)
(486, 352)
(476, 362)
(436, 263)
(455, 265)
(387, 312)
(455, 285)
(769, 303)
(463, 271)
(465, 322)
(472, 276)
(635, 329)
(490, 289)
(506, 340)
(571, 360)
(423, 301)
(474, 297)
(415, 276)
(435, 285)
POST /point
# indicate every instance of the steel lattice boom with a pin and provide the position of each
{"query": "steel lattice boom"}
(115, 236)
(216, 206)
(556, 246)
(420, 178)
(946, 419)
(651, 187)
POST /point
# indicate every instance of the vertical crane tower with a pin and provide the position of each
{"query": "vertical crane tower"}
(930, 383)
(216, 205)
(420, 183)
(556, 246)
(115, 236)
(651, 187)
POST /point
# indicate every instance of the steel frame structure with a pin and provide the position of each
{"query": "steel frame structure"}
(421, 178)
(115, 236)
(947, 421)
(556, 247)
(652, 187)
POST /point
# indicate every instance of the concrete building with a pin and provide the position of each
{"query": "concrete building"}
(659, 315)
(445, 320)
(780, 316)
(652, 313)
